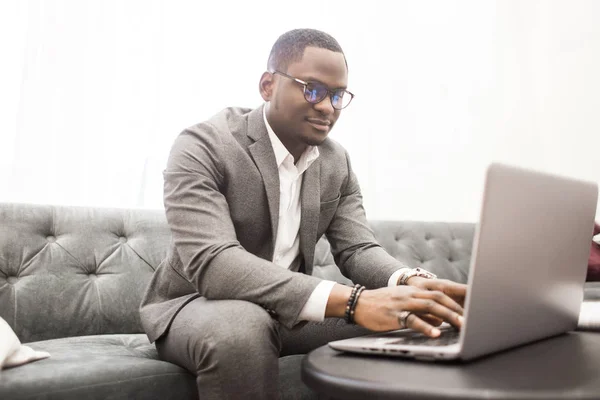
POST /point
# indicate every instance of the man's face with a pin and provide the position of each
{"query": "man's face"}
(297, 122)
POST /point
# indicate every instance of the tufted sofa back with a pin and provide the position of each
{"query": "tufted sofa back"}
(70, 271)
(440, 247)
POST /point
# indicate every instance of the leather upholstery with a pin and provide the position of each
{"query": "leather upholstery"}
(77, 275)
(442, 248)
(73, 271)
(117, 367)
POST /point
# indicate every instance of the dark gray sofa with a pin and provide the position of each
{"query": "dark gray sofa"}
(72, 278)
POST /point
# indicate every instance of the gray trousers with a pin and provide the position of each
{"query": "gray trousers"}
(233, 347)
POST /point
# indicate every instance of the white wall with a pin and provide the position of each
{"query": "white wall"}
(93, 93)
(509, 81)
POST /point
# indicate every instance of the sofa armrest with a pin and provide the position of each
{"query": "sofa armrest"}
(591, 291)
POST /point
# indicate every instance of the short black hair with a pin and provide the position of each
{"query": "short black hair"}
(290, 46)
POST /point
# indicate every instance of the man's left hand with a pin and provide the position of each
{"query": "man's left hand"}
(456, 291)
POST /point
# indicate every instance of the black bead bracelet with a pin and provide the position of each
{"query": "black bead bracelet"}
(352, 301)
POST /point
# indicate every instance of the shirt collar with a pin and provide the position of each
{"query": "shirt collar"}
(306, 159)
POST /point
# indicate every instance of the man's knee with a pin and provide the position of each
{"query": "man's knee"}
(227, 331)
(249, 327)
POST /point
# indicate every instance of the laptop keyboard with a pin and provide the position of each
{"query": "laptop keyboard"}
(448, 337)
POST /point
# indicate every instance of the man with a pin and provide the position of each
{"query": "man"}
(247, 195)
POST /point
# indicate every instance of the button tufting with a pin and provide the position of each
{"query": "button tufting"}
(122, 239)
(12, 279)
(51, 238)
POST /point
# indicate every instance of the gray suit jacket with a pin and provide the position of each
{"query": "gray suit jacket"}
(221, 196)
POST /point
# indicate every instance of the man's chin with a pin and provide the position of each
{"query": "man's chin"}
(315, 141)
(315, 138)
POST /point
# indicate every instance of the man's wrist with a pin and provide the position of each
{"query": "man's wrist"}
(395, 278)
(338, 299)
(409, 273)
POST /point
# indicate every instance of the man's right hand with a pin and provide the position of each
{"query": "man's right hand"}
(380, 309)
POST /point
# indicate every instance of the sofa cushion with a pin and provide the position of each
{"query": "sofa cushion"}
(116, 367)
(97, 367)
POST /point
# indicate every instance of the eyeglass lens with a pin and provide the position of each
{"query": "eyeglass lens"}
(315, 93)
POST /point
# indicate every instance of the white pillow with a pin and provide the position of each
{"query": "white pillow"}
(12, 352)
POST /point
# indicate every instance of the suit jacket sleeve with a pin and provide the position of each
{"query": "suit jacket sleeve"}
(212, 258)
(353, 244)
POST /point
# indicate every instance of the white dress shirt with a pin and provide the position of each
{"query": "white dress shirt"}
(287, 242)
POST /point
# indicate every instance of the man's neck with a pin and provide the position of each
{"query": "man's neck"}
(296, 149)
(295, 152)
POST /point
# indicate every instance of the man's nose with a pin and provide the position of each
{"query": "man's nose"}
(324, 106)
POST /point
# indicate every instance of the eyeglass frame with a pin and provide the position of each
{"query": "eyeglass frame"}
(330, 92)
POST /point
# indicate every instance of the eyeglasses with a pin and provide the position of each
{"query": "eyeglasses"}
(315, 92)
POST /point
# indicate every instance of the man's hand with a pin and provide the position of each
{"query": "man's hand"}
(456, 291)
(380, 309)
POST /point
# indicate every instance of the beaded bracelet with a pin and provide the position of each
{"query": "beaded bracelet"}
(354, 303)
(347, 315)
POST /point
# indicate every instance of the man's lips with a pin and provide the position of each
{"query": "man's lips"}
(319, 124)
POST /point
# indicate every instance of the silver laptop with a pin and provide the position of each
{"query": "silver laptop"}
(528, 267)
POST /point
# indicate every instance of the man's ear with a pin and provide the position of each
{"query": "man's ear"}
(265, 86)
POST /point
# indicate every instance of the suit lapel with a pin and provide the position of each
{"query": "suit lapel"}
(264, 158)
(310, 199)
